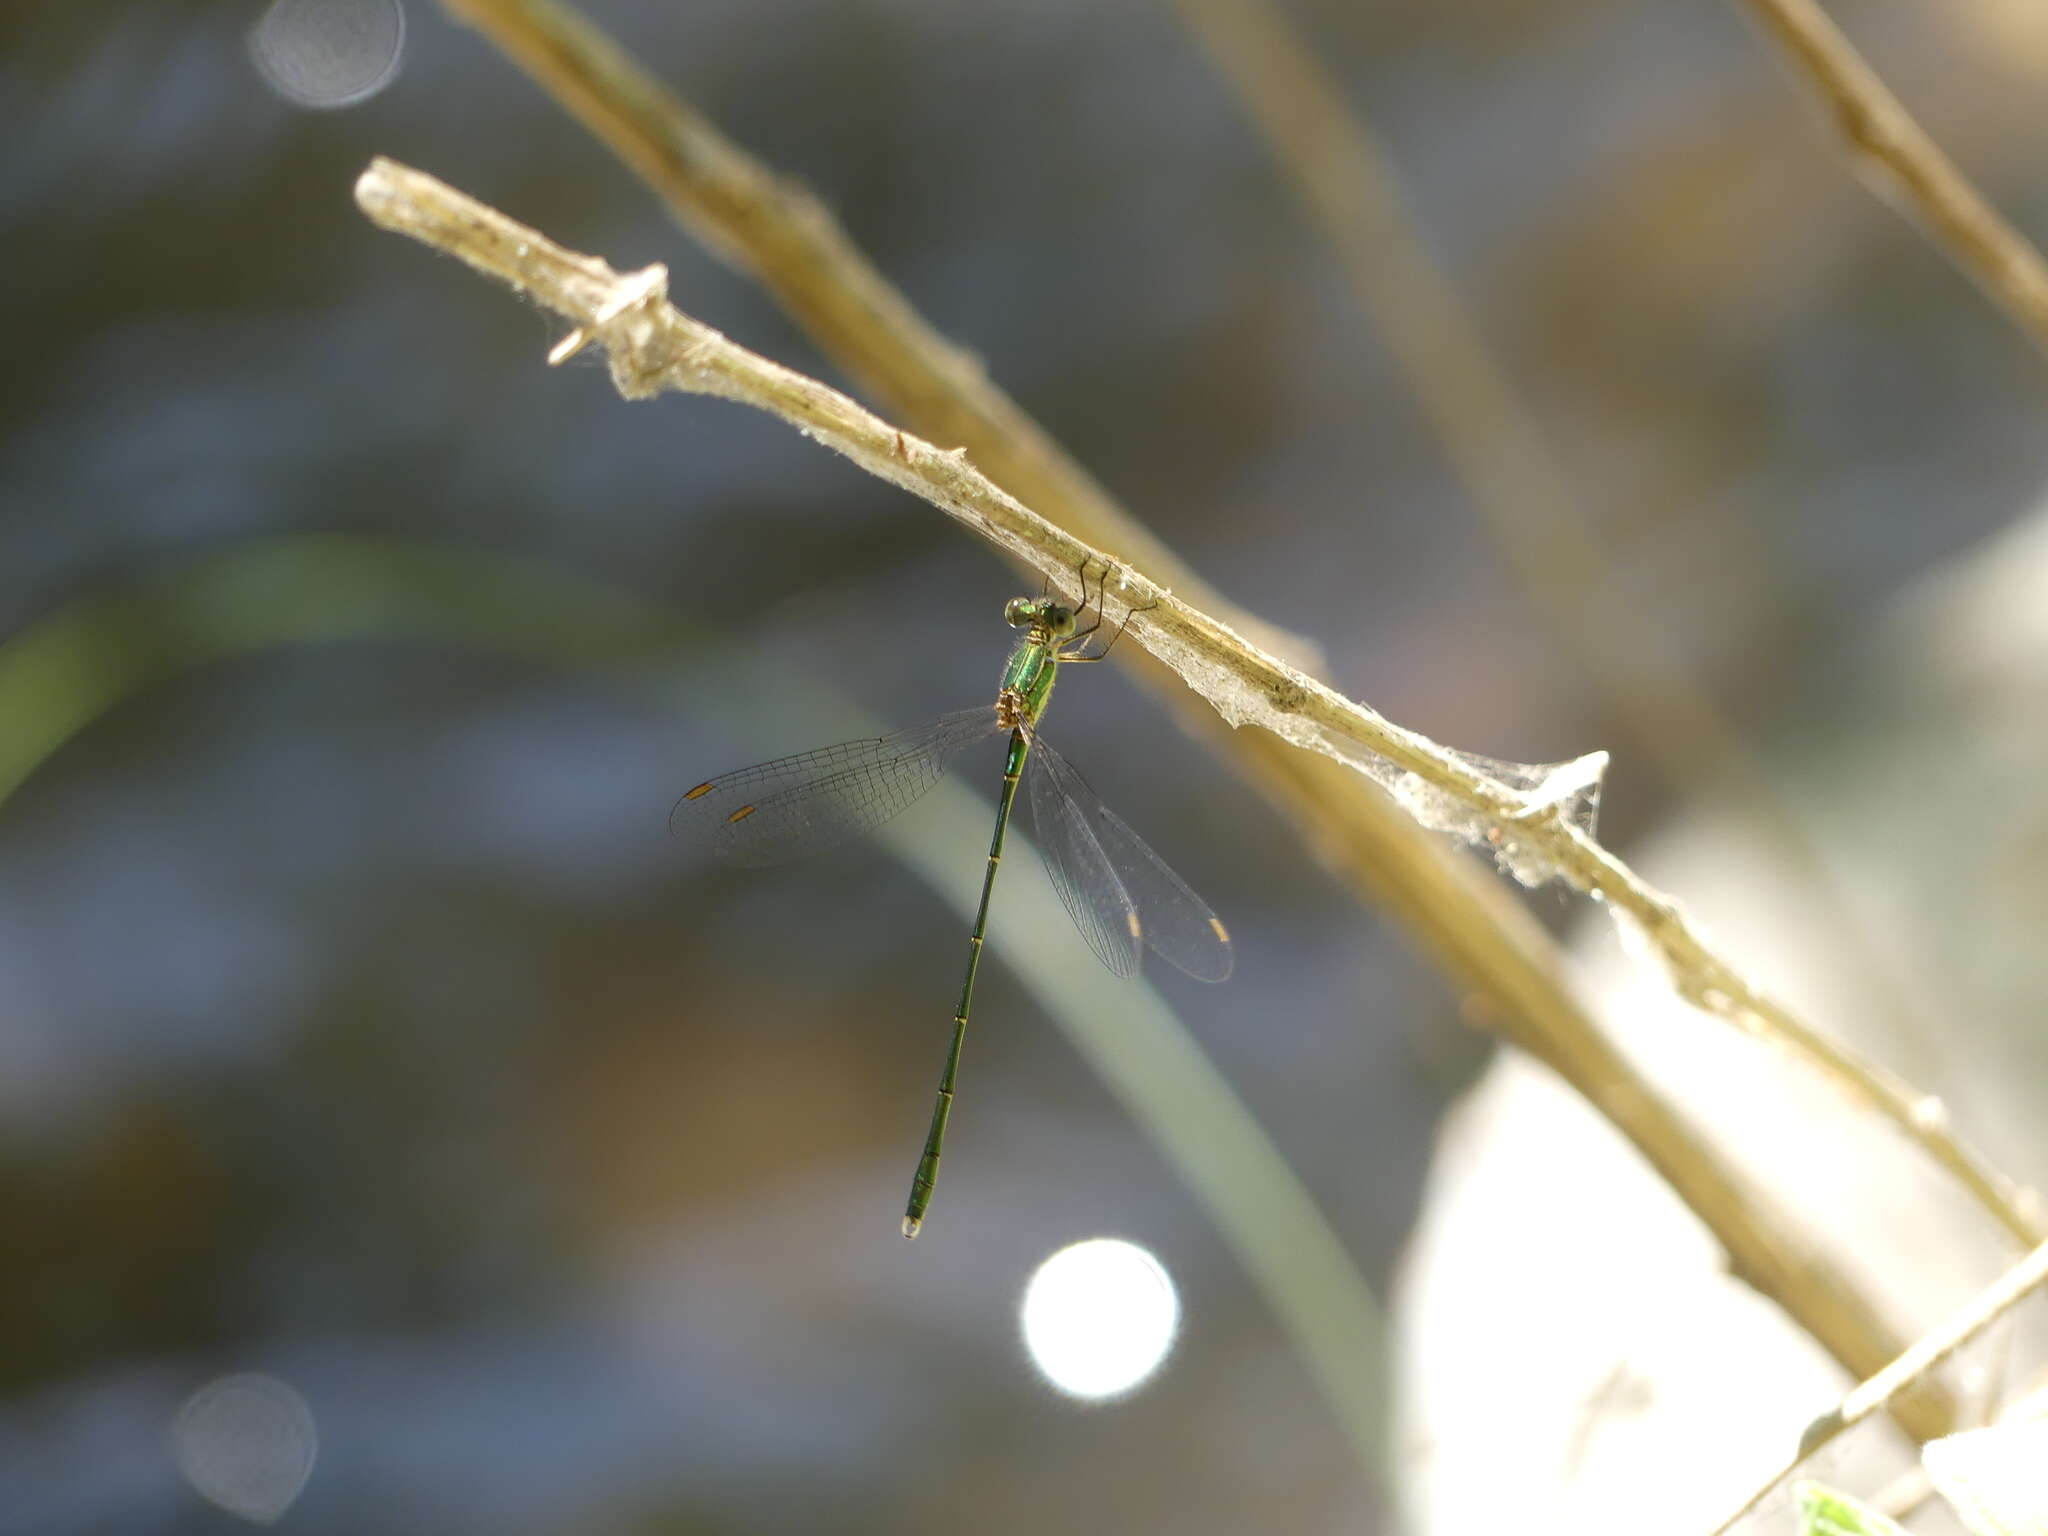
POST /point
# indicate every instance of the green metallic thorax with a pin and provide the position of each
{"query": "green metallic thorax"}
(1030, 672)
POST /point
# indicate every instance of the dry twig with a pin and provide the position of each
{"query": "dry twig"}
(1894, 154)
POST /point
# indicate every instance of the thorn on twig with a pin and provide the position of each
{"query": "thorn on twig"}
(636, 290)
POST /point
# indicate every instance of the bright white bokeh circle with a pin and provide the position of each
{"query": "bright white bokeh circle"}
(329, 53)
(247, 1443)
(1099, 1317)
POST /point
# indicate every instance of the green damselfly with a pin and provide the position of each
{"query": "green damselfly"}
(1119, 893)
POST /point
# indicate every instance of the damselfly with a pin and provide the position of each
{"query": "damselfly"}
(1119, 893)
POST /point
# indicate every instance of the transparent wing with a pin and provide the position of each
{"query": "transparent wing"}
(1089, 887)
(800, 805)
(1119, 893)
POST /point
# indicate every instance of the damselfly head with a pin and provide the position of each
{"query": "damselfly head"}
(1056, 619)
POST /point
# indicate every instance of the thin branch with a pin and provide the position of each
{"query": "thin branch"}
(653, 347)
(1894, 154)
(1911, 1368)
(1490, 944)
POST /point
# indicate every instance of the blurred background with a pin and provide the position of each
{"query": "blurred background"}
(376, 1071)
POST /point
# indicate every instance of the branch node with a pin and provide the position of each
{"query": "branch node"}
(637, 298)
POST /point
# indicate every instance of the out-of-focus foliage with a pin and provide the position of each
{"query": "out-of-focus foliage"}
(359, 1025)
(1825, 1512)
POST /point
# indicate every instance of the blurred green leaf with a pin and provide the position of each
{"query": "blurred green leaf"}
(1825, 1512)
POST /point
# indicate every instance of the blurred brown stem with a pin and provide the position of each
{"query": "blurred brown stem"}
(1351, 185)
(1894, 154)
(779, 234)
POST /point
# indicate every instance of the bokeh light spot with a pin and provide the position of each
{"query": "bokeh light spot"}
(247, 1444)
(1099, 1317)
(329, 53)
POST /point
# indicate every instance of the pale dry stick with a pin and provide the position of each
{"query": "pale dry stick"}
(1350, 183)
(782, 235)
(654, 347)
(1895, 156)
(1490, 945)
(1911, 1368)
